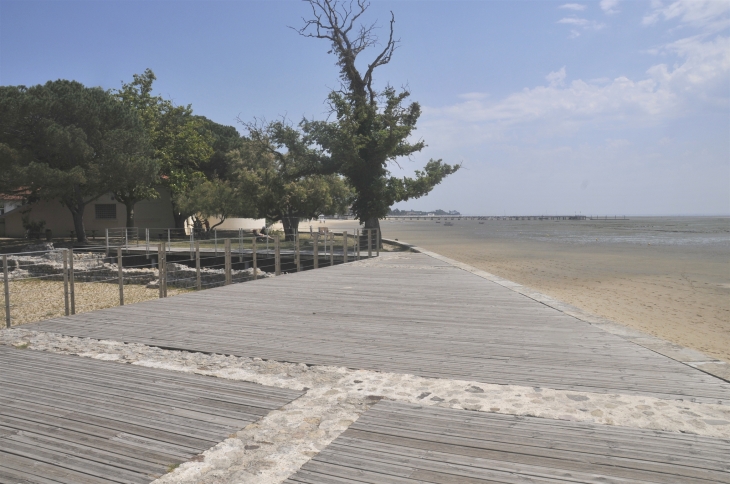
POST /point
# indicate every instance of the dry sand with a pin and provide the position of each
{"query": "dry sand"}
(33, 300)
(677, 292)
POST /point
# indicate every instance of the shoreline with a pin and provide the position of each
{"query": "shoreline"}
(675, 293)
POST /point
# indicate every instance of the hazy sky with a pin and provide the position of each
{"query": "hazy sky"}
(610, 107)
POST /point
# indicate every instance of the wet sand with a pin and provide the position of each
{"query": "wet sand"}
(664, 277)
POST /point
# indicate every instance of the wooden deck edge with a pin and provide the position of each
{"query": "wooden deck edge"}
(687, 356)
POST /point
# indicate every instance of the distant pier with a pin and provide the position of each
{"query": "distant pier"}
(503, 217)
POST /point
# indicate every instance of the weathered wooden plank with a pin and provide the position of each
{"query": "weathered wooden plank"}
(431, 444)
(410, 314)
(78, 420)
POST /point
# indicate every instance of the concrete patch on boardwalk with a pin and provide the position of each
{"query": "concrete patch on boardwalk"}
(271, 449)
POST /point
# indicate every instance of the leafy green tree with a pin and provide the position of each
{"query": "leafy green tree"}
(182, 143)
(63, 139)
(223, 139)
(371, 128)
(217, 198)
(271, 165)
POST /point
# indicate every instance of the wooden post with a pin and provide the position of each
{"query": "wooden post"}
(164, 273)
(192, 244)
(227, 260)
(296, 252)
(332, 248)
(121, 276)
(357, 243)
(147, 242)
(315, 249)
(197, 265)
(169, 244)
(344, 246)
(107, 243)
(253, 252)
(160, 268)
(65, 282)
(7, 291)
(370, 242)
(72, 285)
(240, 246)
(277, 256)
(377, 242)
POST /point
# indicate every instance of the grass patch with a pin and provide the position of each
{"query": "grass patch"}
(22, 346)
(172, 467)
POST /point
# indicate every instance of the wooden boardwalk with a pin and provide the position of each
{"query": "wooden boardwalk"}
(405, 313)
(65, 419)
(396, 443)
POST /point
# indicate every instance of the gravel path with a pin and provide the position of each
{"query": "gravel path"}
(270, 450)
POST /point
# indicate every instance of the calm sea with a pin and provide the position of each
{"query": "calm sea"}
(674, 231)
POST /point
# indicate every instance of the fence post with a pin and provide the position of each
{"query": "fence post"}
(65, 281)
(169, 244)
(147, 242)
(277, 257)
(332, 248)
(227, 260)
(107, 243)
(164, 271)
(121, 276)
(370, 242)
(197, 264)
(215, 241)
(192, 244)
(377, 242)
(315, 249)
(344, 246)
(357, 249)
(240, 246)
(71, 280)
(296, 252)
(253, 255)
(7, 291)
(126, 240)
(160, 268)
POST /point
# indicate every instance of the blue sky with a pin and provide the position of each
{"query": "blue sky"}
(610, 107)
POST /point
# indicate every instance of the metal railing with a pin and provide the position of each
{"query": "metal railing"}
(52, 283)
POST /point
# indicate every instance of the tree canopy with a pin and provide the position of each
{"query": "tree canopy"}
(272, 165)
(64, 140)
(182, 143)
(372, 127)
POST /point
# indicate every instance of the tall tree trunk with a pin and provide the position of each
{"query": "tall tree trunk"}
(130, 213)
(178, 217)
(78, 218)
(291, 227)
(77, 207)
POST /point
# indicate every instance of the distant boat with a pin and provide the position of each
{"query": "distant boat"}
(448, 224)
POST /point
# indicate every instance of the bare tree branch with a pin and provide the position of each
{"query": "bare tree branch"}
(336, 20)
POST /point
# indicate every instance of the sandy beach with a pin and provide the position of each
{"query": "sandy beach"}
(669, 277)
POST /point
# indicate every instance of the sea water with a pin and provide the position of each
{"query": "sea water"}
(661, 231)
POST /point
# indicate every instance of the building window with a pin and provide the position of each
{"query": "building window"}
(106, 210)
